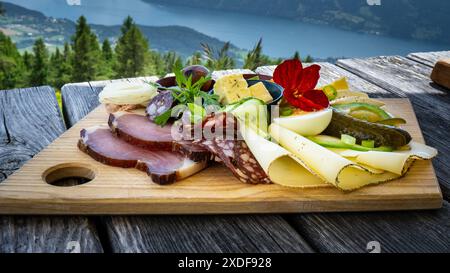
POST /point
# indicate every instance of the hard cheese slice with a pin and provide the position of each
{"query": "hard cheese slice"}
(299, 162)
(260, 91)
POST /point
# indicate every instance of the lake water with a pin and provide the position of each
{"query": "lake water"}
(281, 37)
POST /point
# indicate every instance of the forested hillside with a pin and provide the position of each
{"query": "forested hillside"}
(24, 25)
(418, 19)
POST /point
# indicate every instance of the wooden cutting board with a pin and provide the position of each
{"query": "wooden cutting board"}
(213, 191)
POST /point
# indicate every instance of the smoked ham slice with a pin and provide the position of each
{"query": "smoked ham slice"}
(135, 128)
(164, 167)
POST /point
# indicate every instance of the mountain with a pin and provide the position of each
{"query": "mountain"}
(411, 19)
(24, 25)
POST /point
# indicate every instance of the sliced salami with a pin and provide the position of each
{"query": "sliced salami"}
(233, 152)
(160, 104)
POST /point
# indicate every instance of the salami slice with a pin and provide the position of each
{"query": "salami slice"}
(160, 104)
(233, 152)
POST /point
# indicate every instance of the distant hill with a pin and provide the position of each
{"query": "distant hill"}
(417, 19)
(24, 25)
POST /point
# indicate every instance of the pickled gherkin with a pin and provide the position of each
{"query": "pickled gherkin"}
(382, 135)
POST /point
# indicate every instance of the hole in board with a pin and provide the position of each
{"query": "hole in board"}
(68, 175)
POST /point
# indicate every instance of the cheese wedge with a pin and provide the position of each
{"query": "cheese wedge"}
(231, 88)
(260, 91)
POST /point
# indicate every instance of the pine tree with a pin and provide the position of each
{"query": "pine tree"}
(39, 71)
(296, 56)
(308, 59)
(132, 51)
(107, 52)
(12, 70)
(64, 74)
(56, 61)
(106, 70)
(27, 60)
(86, 57)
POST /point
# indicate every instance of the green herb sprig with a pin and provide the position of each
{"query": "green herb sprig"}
(186, 93)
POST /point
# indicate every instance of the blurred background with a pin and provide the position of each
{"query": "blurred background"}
(53, 42)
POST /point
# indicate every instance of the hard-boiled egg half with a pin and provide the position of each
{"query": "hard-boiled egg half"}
(306, 123)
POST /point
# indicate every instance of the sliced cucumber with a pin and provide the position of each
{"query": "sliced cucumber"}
(330, 92)
(253, 113)
(363, 111)
(348, 139)
(333, 142)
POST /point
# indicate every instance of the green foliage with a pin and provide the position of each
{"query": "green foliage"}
(195, 59)
(12, 70)
(220, 60)
(159, 64)
(40, 66)
(86, 49)
(255, 58)
(187, 94)
(308, 58)
(27, 60)
(56, 59)
(107, 61)
(64, 75)
(132, 51)
(171, 60)
(84, 59)
(107, 52)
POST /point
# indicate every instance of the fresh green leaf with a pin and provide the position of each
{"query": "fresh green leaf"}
(255, 78)
(162, 119)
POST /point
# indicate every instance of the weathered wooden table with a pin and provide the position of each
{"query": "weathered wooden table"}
(30, 119)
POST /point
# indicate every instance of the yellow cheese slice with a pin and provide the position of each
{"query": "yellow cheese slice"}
(329, 166)
(280, 165)
(231, 88)
(395, 162)
(260, 91)
(300, 163)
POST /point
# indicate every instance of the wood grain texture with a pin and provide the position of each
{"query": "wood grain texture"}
(29, 120)
(396, 231)
(351, 232)
(25, 234)
(204, 234)
(429, 58)
(407, 78)
(441, 73)
(214, 190)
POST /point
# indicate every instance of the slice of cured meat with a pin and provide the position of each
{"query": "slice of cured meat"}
(232, 151)
(164, 167)
(159, 104)
(136, 129)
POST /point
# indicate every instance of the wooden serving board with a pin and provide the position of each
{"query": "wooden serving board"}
(212, 191)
